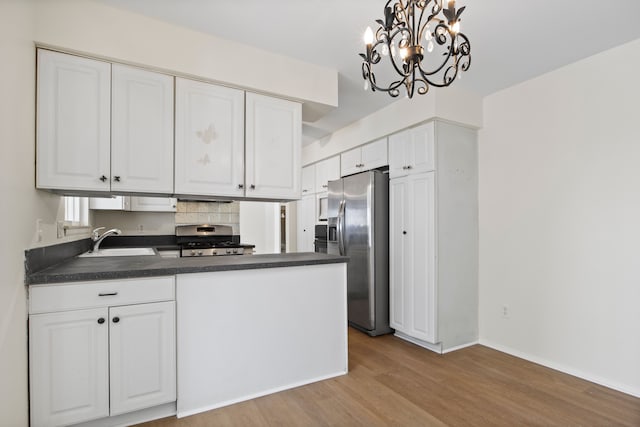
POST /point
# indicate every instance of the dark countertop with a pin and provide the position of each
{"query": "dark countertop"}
(84, 269)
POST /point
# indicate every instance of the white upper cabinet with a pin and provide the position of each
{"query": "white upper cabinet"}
(412, 151)
(273, 146)
(73, 123)
(141, 131)
(326, 170)
(308, 180)
(367, 157)
(209, 141)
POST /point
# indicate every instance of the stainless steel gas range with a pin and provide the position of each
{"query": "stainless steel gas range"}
(210, 240)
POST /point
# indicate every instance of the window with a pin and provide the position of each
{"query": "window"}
(76, 211)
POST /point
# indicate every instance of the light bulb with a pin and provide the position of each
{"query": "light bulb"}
(368, 36)
(403, 53)
(455, 28)
(366, 85)
(385, 50)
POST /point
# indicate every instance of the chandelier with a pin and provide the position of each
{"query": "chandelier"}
(423, 42)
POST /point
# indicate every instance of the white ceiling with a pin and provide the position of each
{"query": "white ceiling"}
(511, 40)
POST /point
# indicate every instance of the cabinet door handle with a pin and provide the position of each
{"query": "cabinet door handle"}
(404, 232)
(107, 294)
(116, 178)
(409, 167)
(101, 320)
(116, 319)
(253, 187)
(304, 191)
(240, 186)
(103, 178)
(325, 186)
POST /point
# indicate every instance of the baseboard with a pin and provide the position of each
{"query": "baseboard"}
(459, 347)
(436, 348)
(182, 414)
(137, 417)
(624, 388)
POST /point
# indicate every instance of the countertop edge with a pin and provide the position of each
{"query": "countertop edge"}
(51, 276)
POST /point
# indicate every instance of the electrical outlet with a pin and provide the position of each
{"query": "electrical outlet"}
(505, 311)
(140, 227)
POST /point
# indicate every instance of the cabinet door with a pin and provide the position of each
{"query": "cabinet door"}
(374, 154)
(141, 131)
(209, 143)
(306, 223)
(68, 367)
(421, 245)
(420, 154)
(351, 162)
(308, 180)
(142, 356)
(399, 144)
(273, 146)
(327, 170)
(399, 254)
(73, 122)
(154, 204)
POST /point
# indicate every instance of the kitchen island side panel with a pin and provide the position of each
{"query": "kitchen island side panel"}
(244, 334)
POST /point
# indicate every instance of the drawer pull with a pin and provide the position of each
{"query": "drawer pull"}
(116, 319)
(101, 320)
(110, 294)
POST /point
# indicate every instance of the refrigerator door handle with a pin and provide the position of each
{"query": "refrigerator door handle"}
(341, 227)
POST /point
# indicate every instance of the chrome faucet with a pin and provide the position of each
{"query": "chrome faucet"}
(98, 238)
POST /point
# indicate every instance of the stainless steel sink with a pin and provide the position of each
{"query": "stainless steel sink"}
(107, 252)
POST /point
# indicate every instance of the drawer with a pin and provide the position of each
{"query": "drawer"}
(82, 295)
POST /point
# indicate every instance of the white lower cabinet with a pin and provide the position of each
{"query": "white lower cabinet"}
(412, 269)
(98, 362)
(306, 215)
(142, 356)
(433, 234)
(69, 367)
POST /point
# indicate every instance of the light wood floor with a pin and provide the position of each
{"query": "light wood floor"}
(394, 383)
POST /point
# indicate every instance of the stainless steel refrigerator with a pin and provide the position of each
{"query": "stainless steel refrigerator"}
(358, 227)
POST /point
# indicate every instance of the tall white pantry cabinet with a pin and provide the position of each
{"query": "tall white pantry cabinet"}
(433, 235)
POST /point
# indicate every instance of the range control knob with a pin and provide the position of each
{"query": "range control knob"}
(199, 253)
(193, 253)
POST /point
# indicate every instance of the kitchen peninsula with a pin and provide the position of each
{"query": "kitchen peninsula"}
(245, 326)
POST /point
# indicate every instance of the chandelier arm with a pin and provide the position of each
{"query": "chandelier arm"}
(403, 10)
(393, 61)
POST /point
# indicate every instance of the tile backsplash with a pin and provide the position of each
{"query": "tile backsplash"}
(209, 213)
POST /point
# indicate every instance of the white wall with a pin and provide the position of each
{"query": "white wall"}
(451, 104)
(260, 226)
(99, 30)
(560, 219)
(22, 203)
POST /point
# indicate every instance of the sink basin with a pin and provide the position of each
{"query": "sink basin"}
(119, 252)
